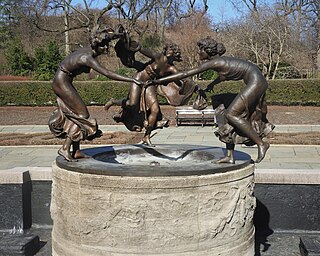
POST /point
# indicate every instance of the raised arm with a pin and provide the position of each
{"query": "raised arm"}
(213, 83)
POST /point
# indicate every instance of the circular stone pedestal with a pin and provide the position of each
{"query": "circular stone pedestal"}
(167, 200)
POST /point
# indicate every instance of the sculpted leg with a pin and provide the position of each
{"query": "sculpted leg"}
(146, 140)
(152, 103)
(65, 150)
(114, 102)
(77, 154)
(245, 127)
(229, 158)
(147, 135)
(262, 149)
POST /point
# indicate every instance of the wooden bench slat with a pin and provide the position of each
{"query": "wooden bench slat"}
(192, 115)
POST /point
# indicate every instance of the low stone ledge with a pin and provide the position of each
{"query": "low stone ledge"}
(19, 175)
(287, 176)
(262, 176)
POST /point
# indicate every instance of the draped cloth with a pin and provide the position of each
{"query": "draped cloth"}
(133, 117)
(65, 123)
(257, 118)
(177, 95)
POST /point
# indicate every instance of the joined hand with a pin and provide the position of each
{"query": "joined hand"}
(138, 82)
(209, 89)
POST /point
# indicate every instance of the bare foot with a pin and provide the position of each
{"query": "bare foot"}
(225, 160)
(163, 123)
(117, 118)
(78, 154)
(146, 141)
(145, 124)
(262, 149)
(137, 128)
(66, 154)
(108, 104)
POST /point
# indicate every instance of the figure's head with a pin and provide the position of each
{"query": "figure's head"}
(100, 38)
(209, 47)
(172, 50)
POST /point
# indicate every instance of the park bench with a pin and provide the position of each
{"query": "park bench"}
(190, 115)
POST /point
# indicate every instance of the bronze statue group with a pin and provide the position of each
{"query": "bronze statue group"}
(244, 115)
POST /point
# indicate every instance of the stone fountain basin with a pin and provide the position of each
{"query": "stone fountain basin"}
(162, 160)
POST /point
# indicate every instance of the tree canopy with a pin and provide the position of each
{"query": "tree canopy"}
(282, 36)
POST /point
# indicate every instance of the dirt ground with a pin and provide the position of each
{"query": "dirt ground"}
(14, 115)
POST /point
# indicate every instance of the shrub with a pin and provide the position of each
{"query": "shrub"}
(40, 93)
(124, 71)
(280, 92)
(304, 92)
(208, 75)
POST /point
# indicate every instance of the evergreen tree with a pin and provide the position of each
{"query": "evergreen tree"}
(47, 60)
(19, 62)
(9, 16)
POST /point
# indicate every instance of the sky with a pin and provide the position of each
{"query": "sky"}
(221, 11)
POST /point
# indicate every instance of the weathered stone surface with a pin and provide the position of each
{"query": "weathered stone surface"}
(96, 214)
(19, 244)
(309, 246)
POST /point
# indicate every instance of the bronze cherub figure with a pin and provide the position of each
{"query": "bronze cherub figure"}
(141, 108)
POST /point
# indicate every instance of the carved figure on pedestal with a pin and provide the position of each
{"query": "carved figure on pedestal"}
(71, 120)
(246, 115)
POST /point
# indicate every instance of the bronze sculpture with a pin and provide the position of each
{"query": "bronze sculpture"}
(71, 119)
(243, 109)
(141, 108)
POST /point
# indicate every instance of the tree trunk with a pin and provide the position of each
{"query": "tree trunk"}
(66, 26)
(163, 24)
(318, 62)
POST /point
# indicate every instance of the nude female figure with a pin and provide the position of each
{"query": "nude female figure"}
(244, 105)
(71, 119)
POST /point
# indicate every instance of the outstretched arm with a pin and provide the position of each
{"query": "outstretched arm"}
(213, 83)
(184, 74)
(95, 65)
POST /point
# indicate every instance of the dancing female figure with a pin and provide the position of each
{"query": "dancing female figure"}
(162, 65)
(71, 119)
(239, 113)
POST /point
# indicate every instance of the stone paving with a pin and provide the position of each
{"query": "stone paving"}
(277, 157)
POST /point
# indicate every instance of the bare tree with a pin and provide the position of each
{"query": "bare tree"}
(265, 33)
(74, 17)
(131, 11)
(186, 33)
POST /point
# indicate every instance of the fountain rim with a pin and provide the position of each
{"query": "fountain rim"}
(93, 166)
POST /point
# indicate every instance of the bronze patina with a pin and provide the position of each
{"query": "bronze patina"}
(71, 120)
(245, 115)
(141, 108)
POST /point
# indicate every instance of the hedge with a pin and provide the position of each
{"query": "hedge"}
(37, 93)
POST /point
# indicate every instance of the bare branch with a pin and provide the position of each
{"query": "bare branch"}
(191, 9)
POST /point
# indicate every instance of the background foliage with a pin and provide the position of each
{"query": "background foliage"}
(281, 37)
(33, 93)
